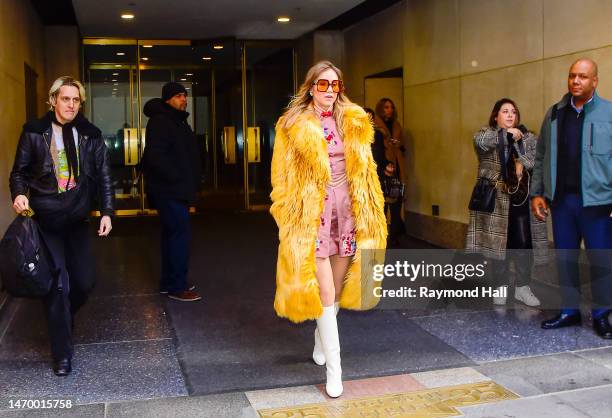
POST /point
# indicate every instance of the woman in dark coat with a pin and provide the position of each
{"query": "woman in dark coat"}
(387, 126)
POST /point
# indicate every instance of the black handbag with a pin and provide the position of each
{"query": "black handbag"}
(25, 266)
(483, 196)
(393, 188)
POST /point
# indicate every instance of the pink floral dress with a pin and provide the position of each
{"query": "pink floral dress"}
(337, 229)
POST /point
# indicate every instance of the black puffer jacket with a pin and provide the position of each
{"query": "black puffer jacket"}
(171, 161)
(33, 169)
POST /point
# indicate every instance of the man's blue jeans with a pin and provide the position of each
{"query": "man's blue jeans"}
(175, 237)
(571, 223)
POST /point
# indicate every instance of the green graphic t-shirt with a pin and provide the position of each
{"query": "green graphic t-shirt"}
(60, 159)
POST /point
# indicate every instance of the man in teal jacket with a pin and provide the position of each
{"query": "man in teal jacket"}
(573, 175)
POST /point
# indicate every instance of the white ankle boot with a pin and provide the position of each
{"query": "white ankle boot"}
(328, 331)
(525, 295)
(317, 353)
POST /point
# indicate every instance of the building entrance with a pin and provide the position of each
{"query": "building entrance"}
(237, 90)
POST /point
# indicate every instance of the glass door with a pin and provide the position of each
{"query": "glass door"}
(209, 74)
(236, 93)
(111, 80)
(269, 80)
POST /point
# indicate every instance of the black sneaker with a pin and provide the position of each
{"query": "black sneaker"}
(190, 287)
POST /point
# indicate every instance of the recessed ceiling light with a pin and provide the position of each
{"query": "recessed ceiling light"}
(284, 19)
(147, 46)
(114, 79)
(189, 74)
(144, 59)
(218, 46)
(120, 53)
(183, 79)
(127, 16)
(206, 58)
(115, 73)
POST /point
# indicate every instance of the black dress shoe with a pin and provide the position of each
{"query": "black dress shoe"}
(602, 327)
(62, 367)
(562, 320)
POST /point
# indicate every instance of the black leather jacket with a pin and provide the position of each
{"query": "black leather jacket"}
(33, 171)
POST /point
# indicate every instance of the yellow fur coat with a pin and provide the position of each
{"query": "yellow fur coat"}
(300, 174)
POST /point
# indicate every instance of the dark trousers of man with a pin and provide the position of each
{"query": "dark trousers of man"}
(571, 223)
(518, 242)
(175, 237)
(75, 277)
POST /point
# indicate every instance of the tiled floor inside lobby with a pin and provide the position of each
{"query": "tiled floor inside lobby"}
(139, 354)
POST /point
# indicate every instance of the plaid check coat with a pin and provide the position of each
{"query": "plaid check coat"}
(487, 232)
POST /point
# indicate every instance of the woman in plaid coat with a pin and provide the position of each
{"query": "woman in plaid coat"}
(510, 225)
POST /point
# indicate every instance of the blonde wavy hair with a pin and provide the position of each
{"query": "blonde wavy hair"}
(302, 102)
(65, 81)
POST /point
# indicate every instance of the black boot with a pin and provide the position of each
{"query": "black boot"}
(62, 367)
(562, 320)
(602, 327)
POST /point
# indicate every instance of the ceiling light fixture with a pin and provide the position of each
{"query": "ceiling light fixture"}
(183, 79)
(115, 73)
(206, 58)
(218, 46)
(189, 74)
(117, 65)
(127, 16)
(144, 59)
(114, 79)
(284, 19)
(147, 46)
(120, 53)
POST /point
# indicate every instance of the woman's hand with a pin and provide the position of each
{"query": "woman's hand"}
(516, 134)
(518, 167)
(21, 203)
(390, 170)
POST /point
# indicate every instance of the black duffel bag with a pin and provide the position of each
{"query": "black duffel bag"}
(24, 263)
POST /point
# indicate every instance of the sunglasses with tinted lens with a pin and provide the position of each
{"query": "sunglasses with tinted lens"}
(323, 85)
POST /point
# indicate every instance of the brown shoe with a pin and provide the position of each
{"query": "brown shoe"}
(185, 296)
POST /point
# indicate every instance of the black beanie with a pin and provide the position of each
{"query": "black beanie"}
(171, 89)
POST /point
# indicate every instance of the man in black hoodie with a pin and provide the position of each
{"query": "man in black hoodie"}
(171, 166)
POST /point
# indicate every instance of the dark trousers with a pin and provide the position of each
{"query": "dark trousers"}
(396, 228)
(175, 237)
(572, 223)
(518, 238)
(74, 275)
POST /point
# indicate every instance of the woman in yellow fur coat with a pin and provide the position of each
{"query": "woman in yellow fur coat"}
(328, 206)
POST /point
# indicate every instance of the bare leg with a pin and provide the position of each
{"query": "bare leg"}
(339, 267)
(325, 277)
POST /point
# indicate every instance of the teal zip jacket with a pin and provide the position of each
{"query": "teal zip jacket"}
(596, 153)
